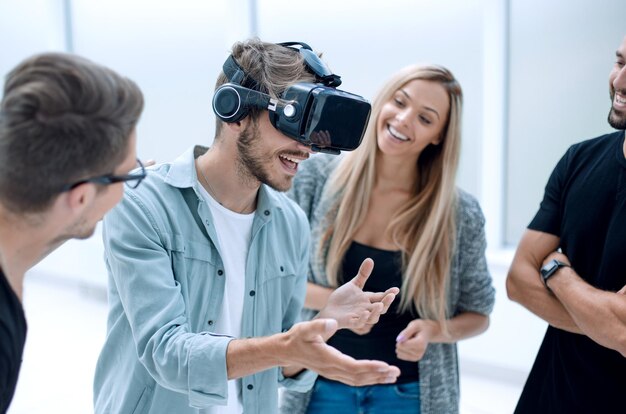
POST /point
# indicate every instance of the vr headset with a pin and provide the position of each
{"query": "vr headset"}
(315, 114)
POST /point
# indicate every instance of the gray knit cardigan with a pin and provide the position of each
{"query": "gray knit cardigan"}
(470, 284)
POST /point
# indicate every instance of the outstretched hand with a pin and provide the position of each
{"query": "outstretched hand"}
(354, 309)
(306, 347)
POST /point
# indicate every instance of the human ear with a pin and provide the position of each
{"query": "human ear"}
(81, 196)
(239, 126)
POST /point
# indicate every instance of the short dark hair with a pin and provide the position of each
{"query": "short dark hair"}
(272, 67)
(63, 118)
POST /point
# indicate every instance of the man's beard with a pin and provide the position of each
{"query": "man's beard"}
(616, 119)
(250, 163)
(253, 165)
(80, 231)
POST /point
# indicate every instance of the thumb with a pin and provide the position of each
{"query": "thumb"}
(321, 327)
(411, 330)
(364, 272)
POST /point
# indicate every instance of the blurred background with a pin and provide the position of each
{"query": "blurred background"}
(535, 79)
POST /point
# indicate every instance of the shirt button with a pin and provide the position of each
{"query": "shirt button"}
(266, 212)
(207, 222)
(250, 386)
(220, 272)
(210, 322)
(282, 268)
(252, 293)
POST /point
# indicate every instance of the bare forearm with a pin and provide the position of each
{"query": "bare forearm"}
(600, 315)
(524, 286)
(248, 356)
(316, 296)
(462, 326)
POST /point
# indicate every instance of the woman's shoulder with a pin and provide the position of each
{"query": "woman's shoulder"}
(469, 212)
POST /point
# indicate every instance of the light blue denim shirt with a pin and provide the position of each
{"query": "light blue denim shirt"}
(166, 283)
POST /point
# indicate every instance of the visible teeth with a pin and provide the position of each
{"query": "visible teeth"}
(620, 99)
(396, 134)
(290, 159)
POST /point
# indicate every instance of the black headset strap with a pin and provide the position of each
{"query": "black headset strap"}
(314, 64)
(237, 75)
(289, 44)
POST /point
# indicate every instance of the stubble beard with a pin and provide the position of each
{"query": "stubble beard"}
(252, 164)
(616, 119)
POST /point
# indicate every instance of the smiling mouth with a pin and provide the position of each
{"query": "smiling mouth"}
(290, 162)
(619, 99)
(397, 135)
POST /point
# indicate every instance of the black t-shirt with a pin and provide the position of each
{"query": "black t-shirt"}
(585, 205)
(380, 342)
(12, 339)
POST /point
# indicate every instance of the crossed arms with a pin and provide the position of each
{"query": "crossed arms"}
(573, 305)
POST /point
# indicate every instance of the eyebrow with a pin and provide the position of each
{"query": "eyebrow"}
(428, 108)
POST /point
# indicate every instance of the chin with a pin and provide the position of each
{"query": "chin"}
(280, 185)
(85, 233)
(617, 120)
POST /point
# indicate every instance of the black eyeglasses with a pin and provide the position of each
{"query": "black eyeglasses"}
(132, 180)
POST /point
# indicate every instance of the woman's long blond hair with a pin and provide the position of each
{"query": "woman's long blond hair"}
(424, 227)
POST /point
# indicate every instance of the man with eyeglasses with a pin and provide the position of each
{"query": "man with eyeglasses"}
(207, 266)
(67, 145)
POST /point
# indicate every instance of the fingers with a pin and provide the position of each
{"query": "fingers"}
(365, 329)
(387, 301)
(411, 330)
(375, 312)
(412, 350)
(364, 272)
(387, 296)
(357, 373)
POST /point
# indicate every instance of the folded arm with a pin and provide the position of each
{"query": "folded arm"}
(525, 286)
(601, 315)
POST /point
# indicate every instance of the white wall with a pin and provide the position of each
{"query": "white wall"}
(173, 51)
(18, 37)
(561, 53)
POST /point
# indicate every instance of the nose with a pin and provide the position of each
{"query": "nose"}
(404, 115)
(619, 83)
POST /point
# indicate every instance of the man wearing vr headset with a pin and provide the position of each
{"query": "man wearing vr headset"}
(209, 250)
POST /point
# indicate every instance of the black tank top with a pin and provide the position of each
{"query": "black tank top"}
(380, 342)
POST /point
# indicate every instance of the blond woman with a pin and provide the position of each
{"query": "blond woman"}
(394, 199)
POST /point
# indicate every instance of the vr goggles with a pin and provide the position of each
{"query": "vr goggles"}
(316, 114)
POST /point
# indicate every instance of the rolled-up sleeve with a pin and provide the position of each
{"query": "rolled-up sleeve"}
(140, 267)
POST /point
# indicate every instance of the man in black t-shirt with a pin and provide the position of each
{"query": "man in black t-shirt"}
(569, 270)
(67, 144)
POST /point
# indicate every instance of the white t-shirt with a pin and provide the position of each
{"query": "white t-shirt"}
(234, 231)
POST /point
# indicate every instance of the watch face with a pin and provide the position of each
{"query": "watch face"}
(549, 267)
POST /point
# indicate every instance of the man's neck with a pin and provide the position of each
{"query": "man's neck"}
(21, 247)
(217, 172)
